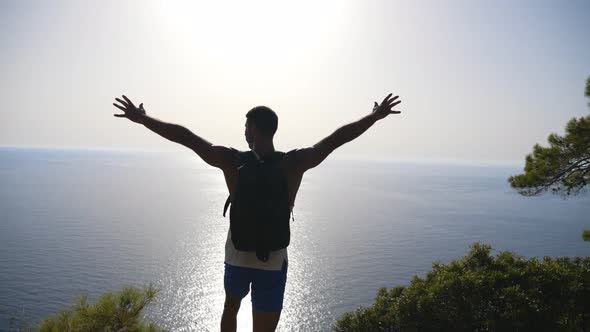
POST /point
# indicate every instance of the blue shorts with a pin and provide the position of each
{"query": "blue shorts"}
(268, 287)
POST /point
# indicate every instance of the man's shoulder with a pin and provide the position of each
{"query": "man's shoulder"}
(292, 154)
(291, 160)
(236, 151)
(231, 157)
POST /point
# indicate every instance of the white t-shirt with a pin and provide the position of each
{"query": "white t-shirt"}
(248, 258)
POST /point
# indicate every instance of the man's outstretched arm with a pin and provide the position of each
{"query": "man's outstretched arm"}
(214, 155)
(311, 157)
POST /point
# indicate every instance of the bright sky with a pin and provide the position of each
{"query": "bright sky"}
(479, 80)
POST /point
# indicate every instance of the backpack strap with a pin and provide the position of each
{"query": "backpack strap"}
(226, 205)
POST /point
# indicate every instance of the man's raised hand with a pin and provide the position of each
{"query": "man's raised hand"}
(133, 113)
(383, 110)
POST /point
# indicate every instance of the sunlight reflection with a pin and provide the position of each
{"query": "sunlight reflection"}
(192, 293)
(191, 297)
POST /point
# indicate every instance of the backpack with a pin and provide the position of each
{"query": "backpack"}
(260, 209)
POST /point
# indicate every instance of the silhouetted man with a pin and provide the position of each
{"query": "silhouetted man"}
(242, 268)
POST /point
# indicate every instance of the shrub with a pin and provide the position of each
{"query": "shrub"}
(484, 293)
(116, 311)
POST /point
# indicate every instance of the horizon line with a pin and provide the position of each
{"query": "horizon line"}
(347, 156)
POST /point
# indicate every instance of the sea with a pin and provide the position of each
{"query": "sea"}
(85, 222)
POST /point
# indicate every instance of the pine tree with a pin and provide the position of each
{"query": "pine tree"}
(563, 167)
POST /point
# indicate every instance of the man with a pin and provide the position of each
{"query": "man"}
(268, 278)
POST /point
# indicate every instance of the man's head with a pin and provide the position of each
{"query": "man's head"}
(261, 124)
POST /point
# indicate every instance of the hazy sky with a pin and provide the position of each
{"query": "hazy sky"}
(479, 80)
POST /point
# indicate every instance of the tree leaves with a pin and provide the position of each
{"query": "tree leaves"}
(563, 167)
(117, 311)
(481, 292)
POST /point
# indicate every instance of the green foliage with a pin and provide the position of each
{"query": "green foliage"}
(564, 166)
(586, 235)
(484, 293)
(117, 311)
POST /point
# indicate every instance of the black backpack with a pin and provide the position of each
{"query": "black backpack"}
(260, 209)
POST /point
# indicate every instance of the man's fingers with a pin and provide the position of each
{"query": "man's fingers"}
(392, 99)
(393, 105)
(120, 115)
(129, 101)
(120, 107)
(395, 112)
(392, 102)
(384, 100)
(122, 102)
(141, 106)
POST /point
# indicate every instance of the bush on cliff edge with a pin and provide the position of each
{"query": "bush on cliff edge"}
(481, 292)
(116, 311)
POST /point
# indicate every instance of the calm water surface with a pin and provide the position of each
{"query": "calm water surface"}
(87, 222)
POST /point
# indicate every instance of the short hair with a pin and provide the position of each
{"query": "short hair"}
(265, 119)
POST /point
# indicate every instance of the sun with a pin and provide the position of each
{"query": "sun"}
(252, 32)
